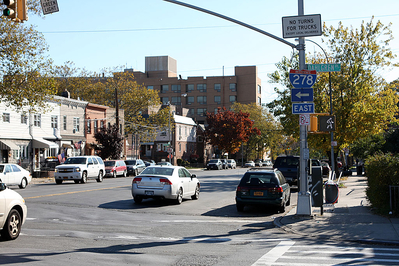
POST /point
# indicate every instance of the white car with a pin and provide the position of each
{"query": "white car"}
(13, 174)
(249, 164)
(165, 182)
(12, 213)
(79, 169)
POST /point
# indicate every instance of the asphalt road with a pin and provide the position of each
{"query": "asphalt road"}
(99, 223)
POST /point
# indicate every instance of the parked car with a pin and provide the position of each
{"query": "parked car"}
(164, 163)
(13, 174)
(115, 167)
(258, 162)
(288, 165)
(13, 213)
(224, 164)
(149, 163)
(268, 162)
(80, 169)
(165, 182)
(263, 187)
(249, 164)
(135, 167)
(231, 163)
(214, 164)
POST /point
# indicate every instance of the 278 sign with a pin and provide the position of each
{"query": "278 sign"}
(302, 78)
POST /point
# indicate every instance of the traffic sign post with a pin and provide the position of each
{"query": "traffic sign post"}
(324, 67)
(302, 78)
(302, 26)
(303, 108)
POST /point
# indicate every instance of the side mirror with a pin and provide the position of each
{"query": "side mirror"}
(193, 176)
(2, 186)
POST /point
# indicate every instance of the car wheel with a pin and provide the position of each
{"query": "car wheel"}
(12, 227)
(196, 193)
(138, 199)
(125, 173)
(100, 176)
(24, 183)
(179, 198)
(76, 181)
(84, 178)
(59, 181)
(114, 174)
(240, 207)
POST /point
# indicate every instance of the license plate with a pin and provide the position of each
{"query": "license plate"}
(149, 193)
(258, 193)
(65, 177)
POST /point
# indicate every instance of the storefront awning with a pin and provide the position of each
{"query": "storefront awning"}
(42, 143)
(9, 144)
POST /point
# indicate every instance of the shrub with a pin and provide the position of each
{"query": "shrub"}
(382, 171)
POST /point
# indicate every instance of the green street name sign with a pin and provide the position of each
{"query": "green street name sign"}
(324, 67)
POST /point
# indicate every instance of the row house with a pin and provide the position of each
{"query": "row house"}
(40, 140)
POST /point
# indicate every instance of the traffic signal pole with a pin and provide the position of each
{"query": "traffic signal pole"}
(304, 199)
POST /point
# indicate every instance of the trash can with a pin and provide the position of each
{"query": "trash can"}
(331, 192)
(359, 169)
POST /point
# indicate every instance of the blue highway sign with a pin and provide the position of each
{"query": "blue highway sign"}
(302, 95)
(303, 108)
(302, 78)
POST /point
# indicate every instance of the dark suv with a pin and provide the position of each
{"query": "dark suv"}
(263, 187)
(288, 165)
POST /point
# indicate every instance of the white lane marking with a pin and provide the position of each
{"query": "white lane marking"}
(275, 253)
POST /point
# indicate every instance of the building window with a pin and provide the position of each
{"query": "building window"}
(64, 122)
(259, 89)
(76, 125)
(176, 100)
(191, 112)
(232, 98)
(165, 100)
(101, 124)
(164, 88)
(217, 99)
(95, 126)
(259, 100)
(6, 117)
(179, 147)
(233, 87)
(24, 119)
(216, 110)
(54, 121)
(201, 87)
(190, 87)
(37, 120)
(88, 125)
(218, 87)
(201, 99)
(201, 111)
(176, 88)
(150, 87)
(190, 100)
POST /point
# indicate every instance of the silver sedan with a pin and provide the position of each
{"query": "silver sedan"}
(165, 182)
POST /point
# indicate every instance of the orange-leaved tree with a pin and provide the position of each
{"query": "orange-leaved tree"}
(228, 130)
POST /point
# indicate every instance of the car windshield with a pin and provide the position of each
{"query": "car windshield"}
(287, 161)
(1, 168)
(131, 162)
(158, 171)
(213, 161)
(109, 163)
(75, 161)
(258, 179)
(230, 161)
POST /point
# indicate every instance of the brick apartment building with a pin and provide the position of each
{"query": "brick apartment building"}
(199, 94)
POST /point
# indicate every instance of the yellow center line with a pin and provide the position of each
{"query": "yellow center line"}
(73, 192)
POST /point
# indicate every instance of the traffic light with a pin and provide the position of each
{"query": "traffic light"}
(11, 10)
(313, 123)
(16, 10)
(327, 123)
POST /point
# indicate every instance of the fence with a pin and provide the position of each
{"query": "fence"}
(394, 199)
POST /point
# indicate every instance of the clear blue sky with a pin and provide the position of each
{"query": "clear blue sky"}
(97, 34)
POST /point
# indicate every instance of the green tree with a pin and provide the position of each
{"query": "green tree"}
(271, 131)
(363, 103)
(25, 68)
(110, 142)
(228, 130)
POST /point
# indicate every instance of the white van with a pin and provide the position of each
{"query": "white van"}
(79, 169)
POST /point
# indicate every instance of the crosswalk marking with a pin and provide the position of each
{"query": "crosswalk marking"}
(275, 253)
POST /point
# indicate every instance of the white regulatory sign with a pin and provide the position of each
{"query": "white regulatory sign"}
(49, 6)
(302, 26)
(304, 119)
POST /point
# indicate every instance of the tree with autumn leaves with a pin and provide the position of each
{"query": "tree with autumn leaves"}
(228, 130)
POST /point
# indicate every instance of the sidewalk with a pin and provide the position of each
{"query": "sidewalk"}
(350, 219)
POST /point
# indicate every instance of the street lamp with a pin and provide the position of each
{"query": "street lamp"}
(331, 106)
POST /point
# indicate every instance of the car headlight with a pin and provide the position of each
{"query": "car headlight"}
(77, 169)
(55, 170)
